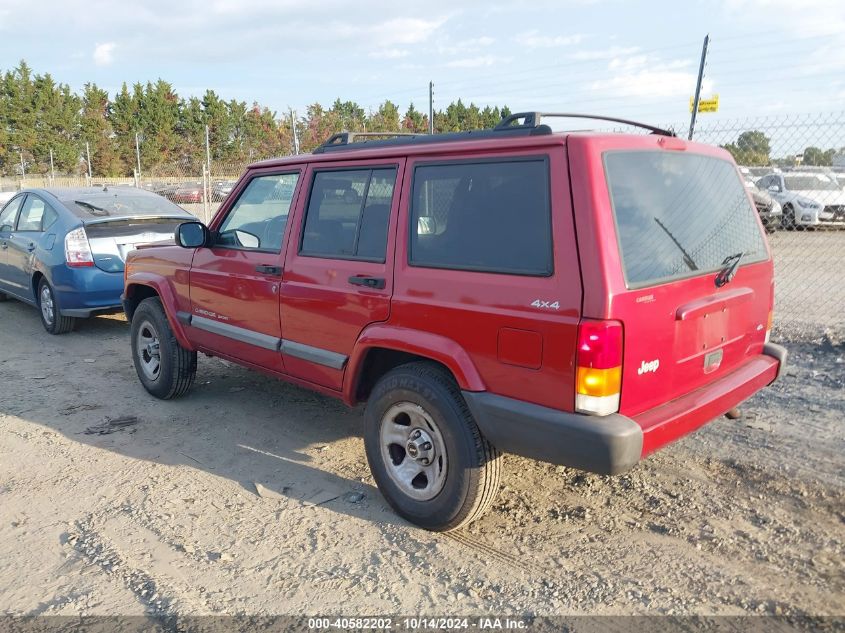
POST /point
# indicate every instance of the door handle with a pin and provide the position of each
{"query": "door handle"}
(269, 270)
(367, 282)
(30, 247)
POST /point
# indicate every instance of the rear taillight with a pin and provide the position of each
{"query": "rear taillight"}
(769, 322)
(77, 249)
(598, 377)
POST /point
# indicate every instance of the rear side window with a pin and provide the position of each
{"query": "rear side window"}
(32, 214)
(491, 216)
(348, 214)
(679, 215)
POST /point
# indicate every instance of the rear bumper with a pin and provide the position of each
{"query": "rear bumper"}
(83, 292)
(613, 444)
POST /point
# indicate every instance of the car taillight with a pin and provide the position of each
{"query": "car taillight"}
(769, 323)
(77, 249)
(598, 377)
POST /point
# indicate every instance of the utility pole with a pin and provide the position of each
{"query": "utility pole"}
(295, 133)
(207, 151)
(138, 155)
(431, 107)
(52, 172)
(88, 154)
(698, 85)
(23, 167)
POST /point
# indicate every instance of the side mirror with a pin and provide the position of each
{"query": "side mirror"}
(192, 235)
(6, 228)
(774, 188)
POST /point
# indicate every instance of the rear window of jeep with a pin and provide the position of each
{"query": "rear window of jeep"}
(491, 216)
(679, 215)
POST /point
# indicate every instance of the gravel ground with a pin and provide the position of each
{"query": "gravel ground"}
(809, 292)
(251, 496)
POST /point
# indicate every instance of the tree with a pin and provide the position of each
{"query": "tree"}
(351, 116)
(816, 156)
(39, 115)
(414, 120)
(386, 119)
(96, 129)
(751, 148)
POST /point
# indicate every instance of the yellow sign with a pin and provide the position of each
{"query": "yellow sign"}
(706, 105)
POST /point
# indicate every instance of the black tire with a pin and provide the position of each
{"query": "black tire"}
(50, 312)
(788, 219)
(473, 465)
(177, 366)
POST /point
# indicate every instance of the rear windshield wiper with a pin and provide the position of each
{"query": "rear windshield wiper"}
(689, 261)
(95, 210)
(729, 266)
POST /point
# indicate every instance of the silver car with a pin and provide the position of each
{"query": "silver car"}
(809, 199)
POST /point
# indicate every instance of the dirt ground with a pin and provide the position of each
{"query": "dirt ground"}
(250, 496)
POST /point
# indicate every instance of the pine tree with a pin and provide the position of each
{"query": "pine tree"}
(96, 129)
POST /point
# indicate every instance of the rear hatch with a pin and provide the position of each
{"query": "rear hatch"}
(111, 241)
(681, 219)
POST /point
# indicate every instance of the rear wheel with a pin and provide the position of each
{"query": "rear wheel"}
(165, 368)
(51, 316)
(425, 451)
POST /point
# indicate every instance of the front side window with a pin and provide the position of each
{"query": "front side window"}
(348, 214)
(32, 214)
(258, 218)
(7, 215)
(490, 216)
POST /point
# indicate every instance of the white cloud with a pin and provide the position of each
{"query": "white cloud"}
(403, 30)
(462, 47)
(808, 17)
(651, 83)
(607, 53)
(104, 53)
(474, 62)
(533, 39)
(389, 53)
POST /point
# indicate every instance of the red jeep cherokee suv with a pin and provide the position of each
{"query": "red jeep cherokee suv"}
(579, 298)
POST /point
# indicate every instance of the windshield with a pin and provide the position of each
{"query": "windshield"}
(814, 182)
(679, 215)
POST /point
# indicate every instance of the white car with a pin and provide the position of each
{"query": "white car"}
(807, 198)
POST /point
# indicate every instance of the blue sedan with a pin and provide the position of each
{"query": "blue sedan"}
(62, 250)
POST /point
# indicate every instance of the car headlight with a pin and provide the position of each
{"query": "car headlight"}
(807, 204)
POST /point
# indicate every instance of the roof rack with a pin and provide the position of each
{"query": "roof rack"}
(345, 138)
(531, 125)
(532, 120)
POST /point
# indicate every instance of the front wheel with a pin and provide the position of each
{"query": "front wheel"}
(165, 368)
(51, 316)
(427, 455)
(788, 219)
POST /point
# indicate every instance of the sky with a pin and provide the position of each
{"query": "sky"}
(615, 57)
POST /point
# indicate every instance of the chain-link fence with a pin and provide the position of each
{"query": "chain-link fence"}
(793, 167)
(200, 193)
